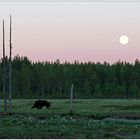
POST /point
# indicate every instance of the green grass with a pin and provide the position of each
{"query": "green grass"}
(91, 119)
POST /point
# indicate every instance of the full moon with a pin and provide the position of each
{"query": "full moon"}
(124, 40)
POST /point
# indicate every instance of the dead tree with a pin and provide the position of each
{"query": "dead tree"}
(71, 99)
(10, 55)
(4, 72)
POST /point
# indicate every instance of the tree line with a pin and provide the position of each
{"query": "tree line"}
(54, 79)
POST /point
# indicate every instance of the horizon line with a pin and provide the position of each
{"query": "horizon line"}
(76, 60)
(69, 1)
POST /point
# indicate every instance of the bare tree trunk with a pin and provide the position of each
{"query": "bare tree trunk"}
(71, 99)
(10, 55)
(4, 72)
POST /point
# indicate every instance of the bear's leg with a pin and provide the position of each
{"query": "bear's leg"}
(33, 107)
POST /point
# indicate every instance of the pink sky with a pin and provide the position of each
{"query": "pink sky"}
(74, 31)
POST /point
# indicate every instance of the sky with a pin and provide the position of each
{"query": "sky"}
(68, 31)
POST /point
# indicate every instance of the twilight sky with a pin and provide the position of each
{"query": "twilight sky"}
(73, 30)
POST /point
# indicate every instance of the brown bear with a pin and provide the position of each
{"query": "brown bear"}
(41, 103)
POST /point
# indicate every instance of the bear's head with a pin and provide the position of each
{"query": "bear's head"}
(47, 104)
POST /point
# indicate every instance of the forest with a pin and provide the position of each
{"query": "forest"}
(90, 80)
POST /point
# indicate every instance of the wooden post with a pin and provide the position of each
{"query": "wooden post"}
(10, 54)
(4, 72)
(71, 99)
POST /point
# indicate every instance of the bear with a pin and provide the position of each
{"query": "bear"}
(39, 104)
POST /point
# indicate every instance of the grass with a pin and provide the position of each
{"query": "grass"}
(92, 118)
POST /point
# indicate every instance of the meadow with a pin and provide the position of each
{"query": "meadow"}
(91, 118)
